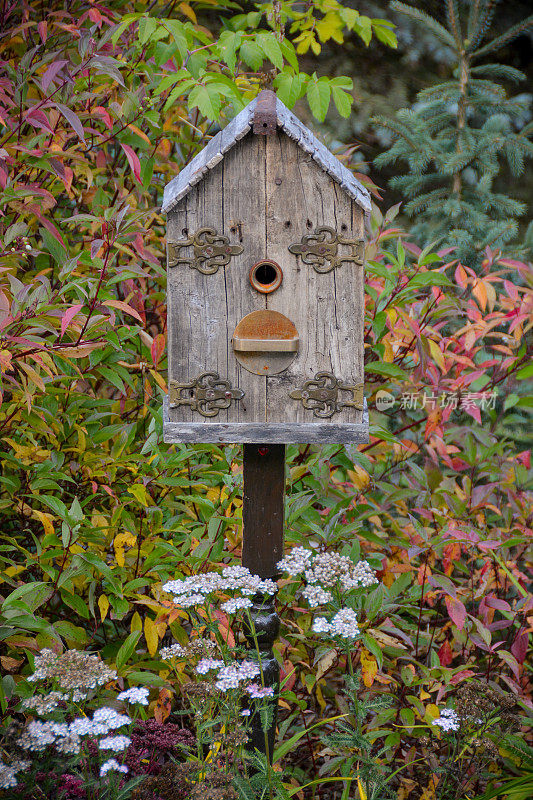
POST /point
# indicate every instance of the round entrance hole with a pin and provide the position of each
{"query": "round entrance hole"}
(266, 276)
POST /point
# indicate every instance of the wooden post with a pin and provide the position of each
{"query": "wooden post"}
(262, 516)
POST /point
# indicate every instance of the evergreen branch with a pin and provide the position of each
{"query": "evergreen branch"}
(473, 17)
(420, 16)
(395, 127)
(478, 34)
(502, 71)
(454, 23)
(505, 38)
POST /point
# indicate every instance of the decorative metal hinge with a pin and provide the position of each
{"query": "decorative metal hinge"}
(321, 395)
(207, 394)
(321, 249)
(211, 251)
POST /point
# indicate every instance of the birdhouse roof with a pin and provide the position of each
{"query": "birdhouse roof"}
(214, 152)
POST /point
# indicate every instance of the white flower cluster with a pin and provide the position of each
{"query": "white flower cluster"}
(205, 665)
(196, 647)
(327, 570)
(448, 721)
(173, 651)
(136, 694)
(316, 596)
(44, 704)
(116, 743)
(230, 676)
(343, 624)
(194, 589)
(66, 737)
(236, 604)
(113, 765)
(8, 773)
(259, 692)
(75, 670)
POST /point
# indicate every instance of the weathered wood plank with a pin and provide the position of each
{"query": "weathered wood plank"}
(271, 433)
(244, 217)
(326, 308)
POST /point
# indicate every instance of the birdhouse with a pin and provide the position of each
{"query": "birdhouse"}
(265, 250)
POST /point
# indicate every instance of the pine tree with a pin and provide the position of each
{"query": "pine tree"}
(456, 136)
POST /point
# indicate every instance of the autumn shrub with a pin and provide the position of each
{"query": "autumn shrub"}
(99, 107)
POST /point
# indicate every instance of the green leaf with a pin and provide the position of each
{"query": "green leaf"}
(75, 603)
(251, 53)
(363, 27)
(147, 26)
(271, 48)
(290, 87)
(343, 101)
(177, 29)
(33, 594)
(384, 368)
(382, 30)
(127, 649)
(318, 95)
(228, 44)
(207, 100)
(525, 372)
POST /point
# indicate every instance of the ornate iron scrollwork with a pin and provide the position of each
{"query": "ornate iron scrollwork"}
(321, 395)
(211, 251)
(321, 249)
(207, 394)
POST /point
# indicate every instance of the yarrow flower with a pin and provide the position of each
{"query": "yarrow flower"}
(328, 570)
(110, 718)
(343, 624)
(237, 603)
(205, 665)
(196, 647)
(74, 670)
(173, 651)
(448, 721)
(112, 764)
(194, 589)
(230, 676)
(44, 705)
(316, 596)
(8, 773)
(258, 692)
(116, 743)
(136, 694)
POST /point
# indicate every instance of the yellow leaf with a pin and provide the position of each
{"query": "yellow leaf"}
(46, 519)
(480, 293)
(436, 353)
(136, 622)
(187, 11)
(103, 605)
(362, 793)
(139, 132)
(369, 668)
(388, 355)
(33, 376)
(151, 636)
(121, 541)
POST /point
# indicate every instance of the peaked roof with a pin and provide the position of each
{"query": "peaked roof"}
(236, 130)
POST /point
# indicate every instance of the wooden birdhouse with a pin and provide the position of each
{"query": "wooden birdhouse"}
(265, 288)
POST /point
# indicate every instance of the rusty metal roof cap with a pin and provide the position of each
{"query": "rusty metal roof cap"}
(265, 119)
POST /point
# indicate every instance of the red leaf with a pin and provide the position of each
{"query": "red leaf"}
(73, 120)
(133, 160)
(38, 119)
(48, 225)
(42, 28)
(157, 349)
(51, 73)
(445, 654)
(101, 112)
(520, 644)
(456, 611)
(68, 315)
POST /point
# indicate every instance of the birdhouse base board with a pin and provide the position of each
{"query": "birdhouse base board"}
(265, 433)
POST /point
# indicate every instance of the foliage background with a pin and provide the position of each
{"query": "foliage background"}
(97, 512)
